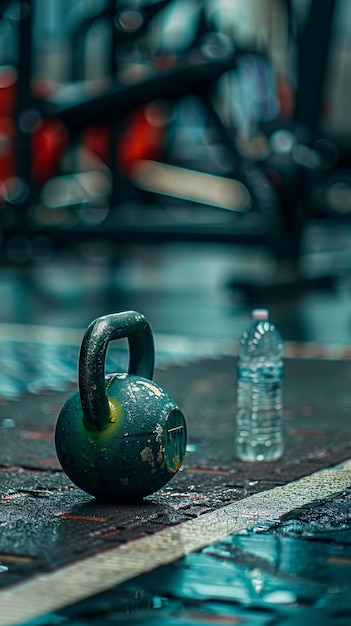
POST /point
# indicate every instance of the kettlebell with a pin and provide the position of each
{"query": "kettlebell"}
(119, 437)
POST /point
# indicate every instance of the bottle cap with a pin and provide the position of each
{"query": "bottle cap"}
(260, 315)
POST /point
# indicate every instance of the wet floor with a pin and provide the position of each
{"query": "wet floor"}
(290, 568)
(287, 572)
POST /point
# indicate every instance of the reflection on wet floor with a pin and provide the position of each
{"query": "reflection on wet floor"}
(45, 364)
(294, 571)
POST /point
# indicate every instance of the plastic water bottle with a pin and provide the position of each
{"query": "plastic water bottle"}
(259, 414)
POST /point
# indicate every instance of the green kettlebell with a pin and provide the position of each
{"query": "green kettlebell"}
(119, 437)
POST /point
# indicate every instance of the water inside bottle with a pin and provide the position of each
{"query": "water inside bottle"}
(259, 412)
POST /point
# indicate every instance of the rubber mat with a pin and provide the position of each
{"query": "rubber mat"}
(47, 522)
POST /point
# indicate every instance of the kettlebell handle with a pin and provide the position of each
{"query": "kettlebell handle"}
(91, 369)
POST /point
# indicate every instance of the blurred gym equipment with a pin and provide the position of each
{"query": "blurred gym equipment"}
(150, 139)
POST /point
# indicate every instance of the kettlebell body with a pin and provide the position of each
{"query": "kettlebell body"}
(119, 437)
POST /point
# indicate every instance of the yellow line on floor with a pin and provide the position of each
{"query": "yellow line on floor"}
(87, 577)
